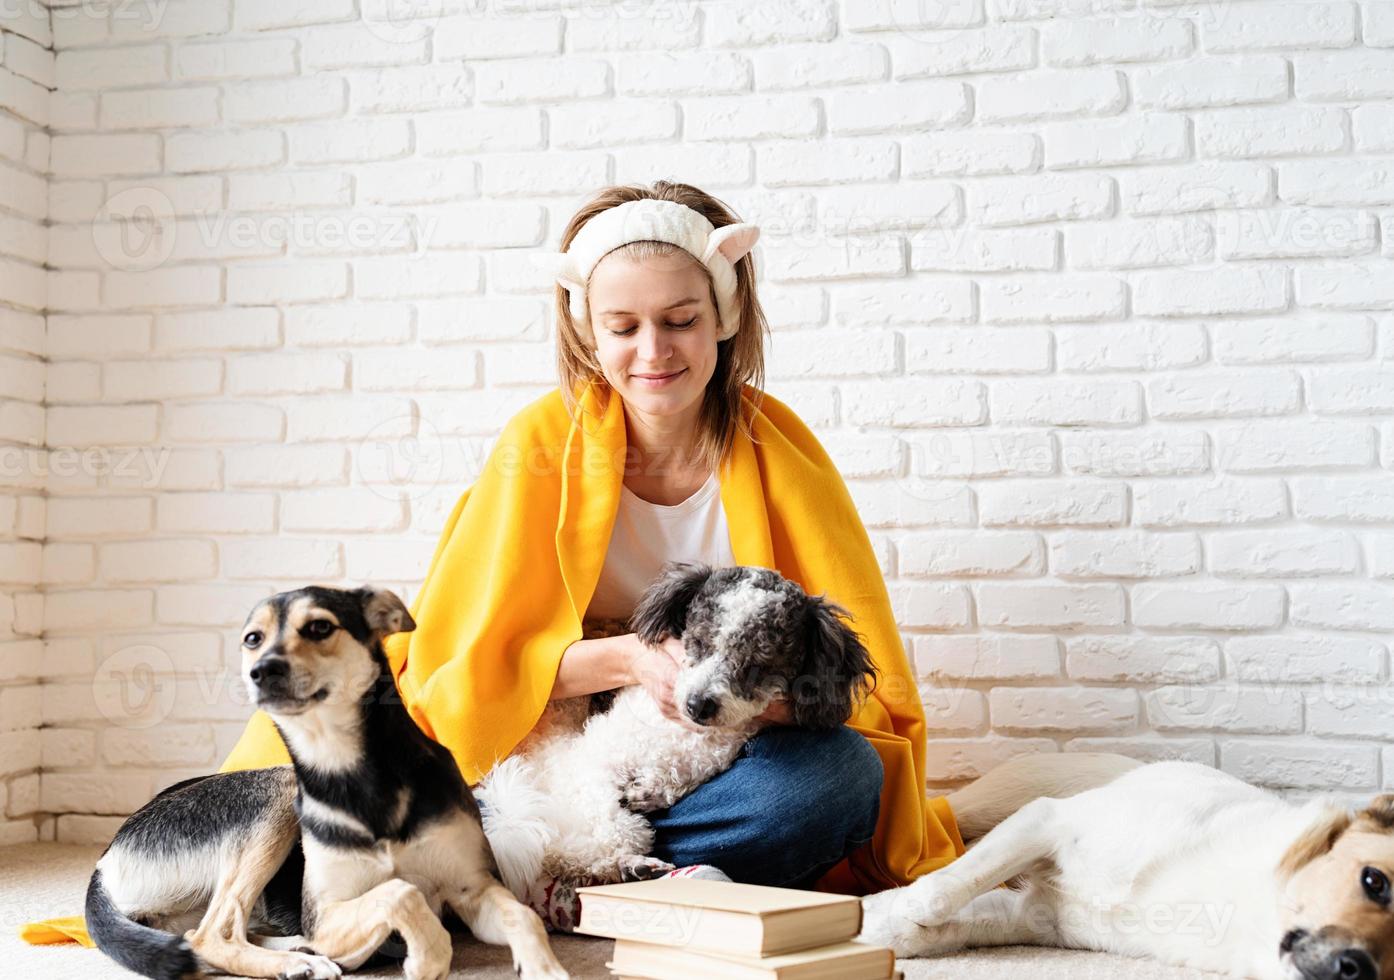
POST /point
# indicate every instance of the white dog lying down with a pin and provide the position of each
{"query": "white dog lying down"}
(1173, 860)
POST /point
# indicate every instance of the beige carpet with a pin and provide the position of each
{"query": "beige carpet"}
(45, 880)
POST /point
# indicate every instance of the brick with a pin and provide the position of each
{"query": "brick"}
(616, 123)
(359, 45)
(970, 553)
(900, 15)
(1151, 452)
(918, 403)
(830, 352)
(1190, 396)
(287, 100)
(1314, 338)
(1296, 553)
(1216, 291)
(954, 709)
(1032, 402)
(1072, 44)
(236, 59)
(169, 745)
(1218, 607)
(851, 258)
(1047, 94)
(217, 513)
(952, 350)
(1001, 201)
(1199, 503)
(263, 15)
(1350, 392)
(1360, 287)
(161, 380)
(806, 66)
(1283, 25)
(1281, 131)
(528, 175)
(1139, 243)
(1354, 183)
(227, 150)
(101, 792)
(1199, 750)
(1044, 503)
(143, 65)
(158, 561)
(1231, 708)
(531, 80)
(1050, 606)
(351, 417)
(311, 559)
(212, 422)
(1064, 709)
(1123, 554)
(995, 48)
(420, 275)
(105, 155)
(475, 38)
(1305, 658)
(218, 330)
(1138, 346)
(931, 605)
(1143, 660)
(981, 454)
(160, 108)
(1206, 83)
(962, 249)
(1195, 187)
(666, 24)
(1257, 447)
(1295, 233)
(995, 657)
(970, 758)
(789, 164)
(707, 165)
(911, 106)
(903, 304)
(350, 510)
(91, 610)
(1146, 138)
(681, 73)
(340, 325)
(282, 373)
(1301, 765)
(283, 282)
(1351, 712)
(1363, 606)
(369, 560)
(976, 153)
(913, 503)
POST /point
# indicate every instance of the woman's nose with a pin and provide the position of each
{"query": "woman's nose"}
(653, 345)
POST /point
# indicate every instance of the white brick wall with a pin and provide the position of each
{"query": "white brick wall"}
(1093, 304)
(26, 76)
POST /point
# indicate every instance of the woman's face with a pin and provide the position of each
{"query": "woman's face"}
(655, 330)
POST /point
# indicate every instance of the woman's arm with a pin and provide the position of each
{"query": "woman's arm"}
(589, 666)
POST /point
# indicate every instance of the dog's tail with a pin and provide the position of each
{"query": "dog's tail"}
(516, 823)
(138, 948)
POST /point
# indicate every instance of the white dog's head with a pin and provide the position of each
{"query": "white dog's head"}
(1336, 917)
(751, 636)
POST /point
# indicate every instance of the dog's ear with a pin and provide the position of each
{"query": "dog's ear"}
(384, 612)
(836, 671)
(1315, 841)
(662, 610)
(1380, 812)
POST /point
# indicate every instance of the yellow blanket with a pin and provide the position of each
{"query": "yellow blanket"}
(519, 558)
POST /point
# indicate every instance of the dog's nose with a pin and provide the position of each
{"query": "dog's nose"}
(701, 709)
(269, 671)
(1352, 964)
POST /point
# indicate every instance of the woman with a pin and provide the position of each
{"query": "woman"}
(657, 445)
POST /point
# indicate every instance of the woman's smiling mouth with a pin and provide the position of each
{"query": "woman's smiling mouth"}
(657, 380)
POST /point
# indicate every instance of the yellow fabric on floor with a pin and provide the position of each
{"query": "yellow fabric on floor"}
(54, 931)
(518, 560)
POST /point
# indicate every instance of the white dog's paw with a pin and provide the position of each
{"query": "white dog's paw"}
(636, 867)
(311, 966)
(893, 919)
(642, 796)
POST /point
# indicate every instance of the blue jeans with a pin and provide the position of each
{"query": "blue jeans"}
(793, 804)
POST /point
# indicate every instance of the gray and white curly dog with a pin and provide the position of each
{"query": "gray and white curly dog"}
(569, 803)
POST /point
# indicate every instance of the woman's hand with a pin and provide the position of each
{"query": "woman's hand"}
(656, 668)
(780, 712)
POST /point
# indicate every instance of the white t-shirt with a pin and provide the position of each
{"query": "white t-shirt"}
(647, 535)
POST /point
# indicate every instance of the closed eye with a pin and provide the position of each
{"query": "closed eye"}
(674, 326)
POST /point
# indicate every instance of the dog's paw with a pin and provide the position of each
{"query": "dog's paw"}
(636, 867)
(540, 968)
(311, 966)
(889, 919)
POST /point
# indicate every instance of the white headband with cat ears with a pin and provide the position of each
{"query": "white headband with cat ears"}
(719, 249)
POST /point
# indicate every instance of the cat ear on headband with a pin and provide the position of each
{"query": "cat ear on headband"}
(732, 241)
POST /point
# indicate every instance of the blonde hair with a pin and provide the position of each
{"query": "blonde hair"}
(740, 361)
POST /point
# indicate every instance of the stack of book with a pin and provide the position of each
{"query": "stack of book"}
(691, 929)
